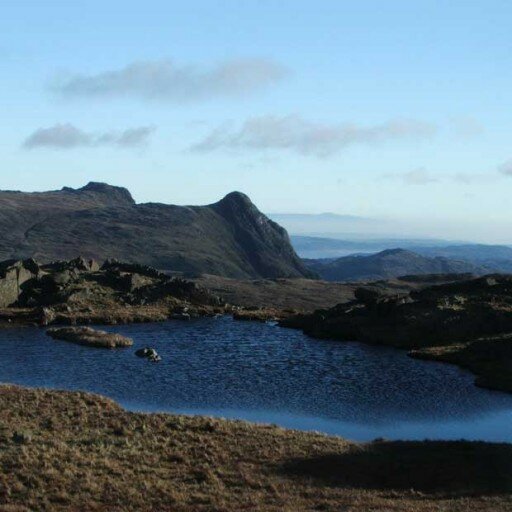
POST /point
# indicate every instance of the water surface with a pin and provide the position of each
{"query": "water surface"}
(267, 374)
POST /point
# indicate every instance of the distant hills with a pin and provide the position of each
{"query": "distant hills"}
(230, 238)
(325, 247)
(494, 258)
(388, 264)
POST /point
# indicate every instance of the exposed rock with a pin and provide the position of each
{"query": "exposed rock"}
(180, 316)
(489, 358)
(89, 337)
(453, 315)
(77, 292)
(13, 274)
(368, 295)
(148, 353)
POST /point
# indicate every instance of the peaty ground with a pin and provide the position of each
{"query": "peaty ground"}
(81, 452)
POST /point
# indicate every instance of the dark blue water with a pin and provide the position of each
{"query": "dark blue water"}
(267, 374)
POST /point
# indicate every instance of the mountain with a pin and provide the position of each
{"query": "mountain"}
(388, 264)
(229, 238)
(497, 257)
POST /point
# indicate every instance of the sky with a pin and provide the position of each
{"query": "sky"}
(395, 110)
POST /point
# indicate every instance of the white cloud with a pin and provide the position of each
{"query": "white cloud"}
(67, 136)
(295, 133)
(164, 80)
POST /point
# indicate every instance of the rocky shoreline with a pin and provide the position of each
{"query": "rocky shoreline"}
(468, 323)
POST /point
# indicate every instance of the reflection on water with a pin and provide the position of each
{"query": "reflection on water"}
(267, 374)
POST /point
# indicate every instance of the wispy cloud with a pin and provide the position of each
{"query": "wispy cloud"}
(68, 136)
(297, 134)
(506, 168)
(164, 80)
(419, 176)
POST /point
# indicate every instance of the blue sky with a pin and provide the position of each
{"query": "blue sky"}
(393, 110)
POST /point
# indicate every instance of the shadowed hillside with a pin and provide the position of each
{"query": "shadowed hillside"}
(230, 238)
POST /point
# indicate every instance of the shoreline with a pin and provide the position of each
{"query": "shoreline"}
(144, 315)
(109, 458)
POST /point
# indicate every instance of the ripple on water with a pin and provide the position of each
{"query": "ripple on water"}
(269, 374)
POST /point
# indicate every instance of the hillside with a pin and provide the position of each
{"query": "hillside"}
(387, 264)
(229, 238)
(68, 451)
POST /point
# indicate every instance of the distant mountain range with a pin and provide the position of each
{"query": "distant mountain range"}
(494, 258)
(324, 247)
(388, 264)
(230, 238)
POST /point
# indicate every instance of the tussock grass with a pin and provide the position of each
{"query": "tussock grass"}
(90, 337)
(76, 451)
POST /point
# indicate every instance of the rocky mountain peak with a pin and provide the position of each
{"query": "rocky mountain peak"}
(236, 197)
(109, 193)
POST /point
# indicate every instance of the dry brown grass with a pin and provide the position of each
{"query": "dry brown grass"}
(76, 451)
(300, 294)
(90, 337)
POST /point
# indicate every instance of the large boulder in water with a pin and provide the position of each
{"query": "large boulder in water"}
(148, 353)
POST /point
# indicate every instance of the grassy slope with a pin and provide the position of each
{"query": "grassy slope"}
(75, 451)
(300, 294)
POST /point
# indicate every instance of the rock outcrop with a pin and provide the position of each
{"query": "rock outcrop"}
(80, 291)
(466, 322)
(13, 274)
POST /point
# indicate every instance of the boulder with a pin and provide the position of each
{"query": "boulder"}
(13, 274)
(148, 353)
(368, 295)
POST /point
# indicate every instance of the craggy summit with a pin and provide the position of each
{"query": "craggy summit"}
(230, 238)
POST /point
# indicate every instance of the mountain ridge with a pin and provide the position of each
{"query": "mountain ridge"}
(230, 237)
